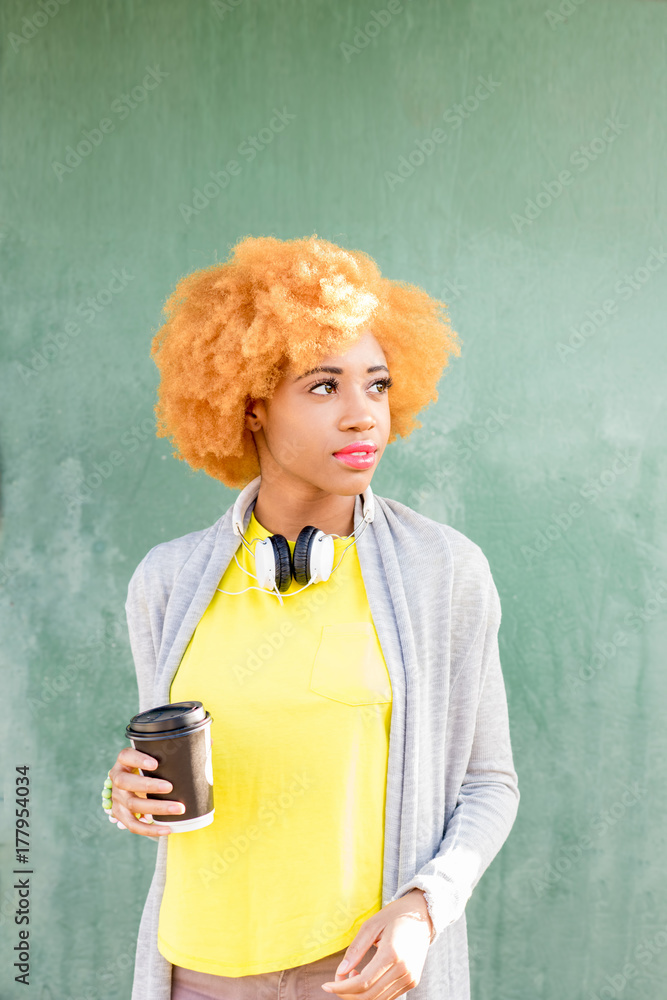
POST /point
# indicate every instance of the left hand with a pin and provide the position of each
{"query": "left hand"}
(401, 931)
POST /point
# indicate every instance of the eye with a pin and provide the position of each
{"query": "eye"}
(384, 382)
(330, 381)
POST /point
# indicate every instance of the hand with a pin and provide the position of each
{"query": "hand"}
(128, 794)
(401, 932)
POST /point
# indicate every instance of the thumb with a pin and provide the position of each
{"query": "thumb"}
(365, 937)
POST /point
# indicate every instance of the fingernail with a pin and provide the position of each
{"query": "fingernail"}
(327, 988)
(148, 763)
(344, 966)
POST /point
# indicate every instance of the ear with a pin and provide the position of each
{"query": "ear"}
(250, 421)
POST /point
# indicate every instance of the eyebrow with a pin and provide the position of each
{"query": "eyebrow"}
(339, 371)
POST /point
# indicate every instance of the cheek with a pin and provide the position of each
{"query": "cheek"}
(292, 442)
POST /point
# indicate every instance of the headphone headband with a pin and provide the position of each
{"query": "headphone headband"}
(249, 492)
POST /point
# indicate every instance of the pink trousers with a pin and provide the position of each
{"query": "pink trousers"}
(303, 982)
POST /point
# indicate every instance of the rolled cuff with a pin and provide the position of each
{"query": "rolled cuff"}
(443, 903)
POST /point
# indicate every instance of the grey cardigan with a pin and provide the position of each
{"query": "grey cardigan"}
(452, 792)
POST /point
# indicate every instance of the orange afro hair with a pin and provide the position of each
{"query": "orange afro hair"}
(233, 329)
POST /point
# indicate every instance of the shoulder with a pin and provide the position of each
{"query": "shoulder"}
(473, 592)
(466, 555)
(160, 567)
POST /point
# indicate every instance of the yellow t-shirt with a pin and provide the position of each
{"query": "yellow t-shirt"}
(301, 700)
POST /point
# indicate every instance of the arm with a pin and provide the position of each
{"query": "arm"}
(489, 796)
(141, 638)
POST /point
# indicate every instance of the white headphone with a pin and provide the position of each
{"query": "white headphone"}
(313, 557)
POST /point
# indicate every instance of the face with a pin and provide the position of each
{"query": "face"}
(301, 430)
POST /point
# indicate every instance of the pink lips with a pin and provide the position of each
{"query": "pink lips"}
(364, 460)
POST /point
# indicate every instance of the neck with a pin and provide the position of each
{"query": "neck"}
(286, 510)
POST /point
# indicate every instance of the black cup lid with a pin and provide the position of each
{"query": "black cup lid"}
(163, 718)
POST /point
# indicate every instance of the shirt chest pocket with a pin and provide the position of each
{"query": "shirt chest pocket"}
(349, 667)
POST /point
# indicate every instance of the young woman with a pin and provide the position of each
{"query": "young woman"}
(344, 644)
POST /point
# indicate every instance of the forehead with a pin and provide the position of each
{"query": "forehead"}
(365, 352)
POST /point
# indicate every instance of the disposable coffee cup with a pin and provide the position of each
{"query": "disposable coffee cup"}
(178, 736)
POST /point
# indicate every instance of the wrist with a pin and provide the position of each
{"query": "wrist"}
(420, 897)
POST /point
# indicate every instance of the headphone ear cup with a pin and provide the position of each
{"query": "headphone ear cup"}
(283, 562)
(301, 557)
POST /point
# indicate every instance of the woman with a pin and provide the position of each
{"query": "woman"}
(364, 778)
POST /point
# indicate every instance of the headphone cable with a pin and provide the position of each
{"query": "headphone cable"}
(275, 592)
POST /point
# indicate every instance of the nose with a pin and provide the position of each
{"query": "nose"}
(358, 412)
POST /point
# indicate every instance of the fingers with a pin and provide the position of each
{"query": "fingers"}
(129, 821)
(122, 775)
(129, 795)
(146, 805)
(138, 784)
(386, 987)
(129, 757)
(128, 763)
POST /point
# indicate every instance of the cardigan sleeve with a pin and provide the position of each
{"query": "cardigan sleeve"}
(142, 642)
(148, 595)
(488, 800)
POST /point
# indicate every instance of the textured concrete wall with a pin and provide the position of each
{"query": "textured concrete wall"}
(508, 157)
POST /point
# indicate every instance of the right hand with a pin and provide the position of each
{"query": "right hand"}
(128, 794)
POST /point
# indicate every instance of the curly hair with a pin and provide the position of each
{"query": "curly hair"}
(232, 331)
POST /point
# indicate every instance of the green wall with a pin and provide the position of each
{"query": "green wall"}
(546, 447)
